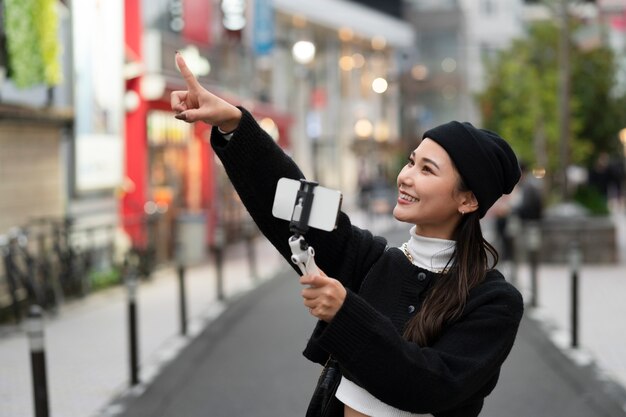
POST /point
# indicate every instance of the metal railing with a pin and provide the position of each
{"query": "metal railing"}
(49, 260)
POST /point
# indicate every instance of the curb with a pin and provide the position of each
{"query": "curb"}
(579, 368)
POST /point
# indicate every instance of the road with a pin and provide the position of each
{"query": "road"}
(248, 362)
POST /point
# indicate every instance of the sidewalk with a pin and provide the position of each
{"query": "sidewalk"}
(87, 344)
(602, 332)
(601, 328)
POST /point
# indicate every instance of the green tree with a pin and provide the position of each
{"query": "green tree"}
(602, 113)
(521, 98)
(32, 43)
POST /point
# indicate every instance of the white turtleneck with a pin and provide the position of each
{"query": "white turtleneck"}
(429, 253)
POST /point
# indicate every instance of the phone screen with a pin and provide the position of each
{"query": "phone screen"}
(324, 210)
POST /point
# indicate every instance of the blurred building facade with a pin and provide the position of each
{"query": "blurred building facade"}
(35, 127)
(307, 75)
(346, 97)
(446, 68)
(377, 75)
(102, 146)
(62, 141)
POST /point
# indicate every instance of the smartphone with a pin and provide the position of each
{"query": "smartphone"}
(324, 209)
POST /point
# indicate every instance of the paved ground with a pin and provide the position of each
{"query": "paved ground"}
(88, 359)
(602, 329)
(249, 363)
(87, 344)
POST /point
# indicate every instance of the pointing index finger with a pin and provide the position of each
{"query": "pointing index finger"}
(190, 79)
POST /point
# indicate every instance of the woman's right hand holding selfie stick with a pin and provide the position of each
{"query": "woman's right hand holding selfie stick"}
(198, 104)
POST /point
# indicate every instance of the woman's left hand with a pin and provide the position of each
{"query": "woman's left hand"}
(197, 103)
(324, 296)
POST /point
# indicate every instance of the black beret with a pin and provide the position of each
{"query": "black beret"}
(485, 161)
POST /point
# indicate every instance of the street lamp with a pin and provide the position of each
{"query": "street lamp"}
(363, 128)
(379, 85)
(419, 72)
(303, 52)
(152, 86)
(197, 63)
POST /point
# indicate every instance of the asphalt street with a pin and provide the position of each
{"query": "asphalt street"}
(249, 362)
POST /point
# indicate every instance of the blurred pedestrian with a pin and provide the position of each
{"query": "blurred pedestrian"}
(528, 201)
(600, 175)
(422, 329)
(501, 213)
(364, 184)
(607, 176)
(526, 213)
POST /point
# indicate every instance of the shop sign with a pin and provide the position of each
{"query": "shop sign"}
(98, 93)
(164, 129)
(197, 16)
(98, 162)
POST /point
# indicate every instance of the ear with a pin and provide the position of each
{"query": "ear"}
(467, 202)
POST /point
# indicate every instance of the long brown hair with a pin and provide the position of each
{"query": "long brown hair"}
(446, 297)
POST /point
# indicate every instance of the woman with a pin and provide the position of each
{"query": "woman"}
(418, 330)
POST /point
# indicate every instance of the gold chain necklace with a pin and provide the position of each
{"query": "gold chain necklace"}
(405, 249)
(408, 255)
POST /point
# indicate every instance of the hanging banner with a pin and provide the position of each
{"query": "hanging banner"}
(263, 32)
(198, 15)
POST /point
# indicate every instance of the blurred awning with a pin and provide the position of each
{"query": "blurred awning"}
(364, 21)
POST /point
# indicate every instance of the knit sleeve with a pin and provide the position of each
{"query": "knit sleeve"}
(455, 370)
(254, 163)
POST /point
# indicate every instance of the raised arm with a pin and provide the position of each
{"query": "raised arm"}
(254, 163)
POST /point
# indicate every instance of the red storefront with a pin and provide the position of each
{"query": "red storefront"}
(170, 167)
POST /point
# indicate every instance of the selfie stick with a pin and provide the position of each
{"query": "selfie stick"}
(302, 254)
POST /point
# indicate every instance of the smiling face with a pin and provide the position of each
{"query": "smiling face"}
(429, 194)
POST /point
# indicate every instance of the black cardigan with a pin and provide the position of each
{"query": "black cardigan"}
(452, 377)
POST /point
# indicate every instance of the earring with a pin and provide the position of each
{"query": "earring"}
(462, 212)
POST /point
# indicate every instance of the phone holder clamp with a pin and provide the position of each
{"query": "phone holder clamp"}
(302, 253)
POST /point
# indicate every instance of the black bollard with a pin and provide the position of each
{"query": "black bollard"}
(513, 231)
(249, 232)
(533, 243)
(183, 299)
(575, 258)
(219, 267)
(218, 251)
(38, 360)
(131, 284)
